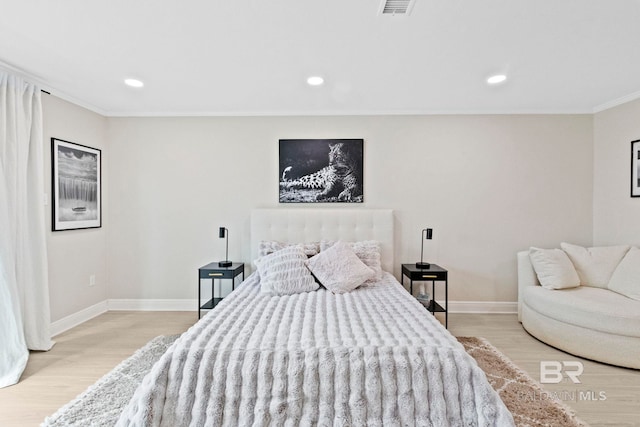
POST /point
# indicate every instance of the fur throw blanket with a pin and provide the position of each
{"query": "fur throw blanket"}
(372, 357)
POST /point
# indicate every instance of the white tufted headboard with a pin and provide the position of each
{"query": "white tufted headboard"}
(308, 225)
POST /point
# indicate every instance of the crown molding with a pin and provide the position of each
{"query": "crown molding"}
(44, 86)
(619, 101)
(348, 113)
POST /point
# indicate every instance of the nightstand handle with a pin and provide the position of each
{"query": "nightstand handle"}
(215, 274)
(429, 276)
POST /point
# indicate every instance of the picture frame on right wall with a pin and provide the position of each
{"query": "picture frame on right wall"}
(635, 168)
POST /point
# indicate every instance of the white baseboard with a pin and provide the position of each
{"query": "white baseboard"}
(66, 323)
(483, 307)
(152, 304)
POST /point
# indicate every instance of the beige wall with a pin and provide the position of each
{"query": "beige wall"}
(74, 255)
(488, 186)
(616, 215)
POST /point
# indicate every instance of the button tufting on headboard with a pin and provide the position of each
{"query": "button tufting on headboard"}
(308, 225)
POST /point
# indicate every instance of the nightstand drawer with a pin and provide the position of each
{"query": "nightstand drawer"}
(428, 275)
(218, 274)
(435, 272)
(214, 271)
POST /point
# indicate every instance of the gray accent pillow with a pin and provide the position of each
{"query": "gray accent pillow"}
(339, 269)
(284, 272)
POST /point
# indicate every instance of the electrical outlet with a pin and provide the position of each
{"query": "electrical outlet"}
(92, 280)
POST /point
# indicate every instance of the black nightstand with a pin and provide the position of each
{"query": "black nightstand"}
(433, 274)
(213, 271)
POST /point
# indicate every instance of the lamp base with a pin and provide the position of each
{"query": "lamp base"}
(224, 264)
(423, 265)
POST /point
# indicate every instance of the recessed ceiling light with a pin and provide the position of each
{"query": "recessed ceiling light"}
(133, 82)
(498, 78)
(315, 80)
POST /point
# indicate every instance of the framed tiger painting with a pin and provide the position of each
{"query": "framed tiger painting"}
(321, 171)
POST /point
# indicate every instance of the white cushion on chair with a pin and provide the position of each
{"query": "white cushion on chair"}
(626, 279)
(553, 268)
(595, 265)
(588, 307)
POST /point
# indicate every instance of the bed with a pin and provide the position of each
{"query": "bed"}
(371, 356)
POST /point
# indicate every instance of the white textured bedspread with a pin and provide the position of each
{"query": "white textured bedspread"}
(370, 357)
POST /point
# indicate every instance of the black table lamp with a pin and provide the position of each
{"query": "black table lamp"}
(427, 234)
(225, 233)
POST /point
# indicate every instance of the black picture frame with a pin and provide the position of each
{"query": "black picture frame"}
(321, 171)
(76, 186)
(635, 168)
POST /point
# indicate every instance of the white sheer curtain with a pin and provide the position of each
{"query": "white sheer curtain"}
(24, 288)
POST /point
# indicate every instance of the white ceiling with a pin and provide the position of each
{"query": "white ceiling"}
(252, 57)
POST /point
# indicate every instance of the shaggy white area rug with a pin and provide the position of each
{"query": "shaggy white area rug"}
(102, 403)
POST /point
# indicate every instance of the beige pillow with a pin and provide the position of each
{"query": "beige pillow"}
(626, 279)
(553, 268)
(284, 272)
(595, 265)
(339, 269)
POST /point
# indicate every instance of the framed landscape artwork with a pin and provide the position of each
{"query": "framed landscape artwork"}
(76, 186)
(635, 168)
(321, 171)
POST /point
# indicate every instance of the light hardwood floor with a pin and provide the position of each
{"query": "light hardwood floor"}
(85, 353)
(619, 386)
(80, 357)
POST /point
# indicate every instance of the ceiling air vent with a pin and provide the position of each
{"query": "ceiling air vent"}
(396, 7)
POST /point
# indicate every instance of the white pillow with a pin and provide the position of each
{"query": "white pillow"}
(339, 269)
(626, 279)
(267, 247)
(553, 268)
(595, 265)
(284, 272)
(367, 250)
